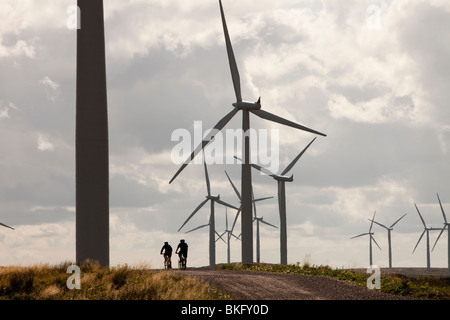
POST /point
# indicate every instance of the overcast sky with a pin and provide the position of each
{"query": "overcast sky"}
(371, 74)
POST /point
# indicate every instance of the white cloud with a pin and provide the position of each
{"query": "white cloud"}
(4, 113)
(46, 81)
(356, 203)
(43, 143)
(51, 87)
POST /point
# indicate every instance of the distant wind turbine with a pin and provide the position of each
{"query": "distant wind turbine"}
(389, 229)
(446, 225)
(4, 225)
(246, 108)
(211, 224)
(240, 199)
(229, 234)
(281, 180)
(258, 240)
(371, 238)
(427, 231)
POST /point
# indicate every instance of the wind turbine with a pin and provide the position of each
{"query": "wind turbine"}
(281, 180)
(211, 224)
(246, 108)
(446, 225)
(240, 199)
(427, 231)
(258, 240)
(211, 227)
(371, 238)
(229, 234)
(389, 229)
(4, 225)
(92, 155)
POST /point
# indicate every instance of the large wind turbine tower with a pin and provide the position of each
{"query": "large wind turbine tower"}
(92, 171)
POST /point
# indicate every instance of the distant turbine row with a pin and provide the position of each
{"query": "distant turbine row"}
(426, 231)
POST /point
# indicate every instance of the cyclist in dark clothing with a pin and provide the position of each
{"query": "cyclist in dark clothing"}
(167, 250)
(182, 249)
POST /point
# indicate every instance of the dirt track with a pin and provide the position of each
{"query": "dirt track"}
(274, 286)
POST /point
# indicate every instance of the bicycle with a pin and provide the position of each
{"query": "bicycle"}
(167, 262)
(182, 262)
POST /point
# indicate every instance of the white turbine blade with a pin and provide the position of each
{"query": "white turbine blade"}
(192, 214)
(208, 185)
(2, 224)
(231, 59)
(398, 220)
(269, 116)
(269, 224)
(359, 235)
(220, 237)
(219, 126)
(442, 209)
(262, 169)
(289, 167)
(373, 238)
(235, 189)
(437, 239)
(419, 240)
(423, 221)
(205, 225)
(371, 224)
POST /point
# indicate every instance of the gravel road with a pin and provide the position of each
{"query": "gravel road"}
(246, 285)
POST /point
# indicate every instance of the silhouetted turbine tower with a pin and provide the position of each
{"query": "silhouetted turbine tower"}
(258, 238)
(446, 226)
(92, 162)
(281, 181)
(427, 231)
(371, 238)
(211, 224)
(229, 234)
(246, 108)
(389, 229)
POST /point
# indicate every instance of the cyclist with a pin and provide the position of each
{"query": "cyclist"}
(167, 249)
(182, 250)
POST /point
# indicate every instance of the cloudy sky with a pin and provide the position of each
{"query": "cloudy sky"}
(371, 74)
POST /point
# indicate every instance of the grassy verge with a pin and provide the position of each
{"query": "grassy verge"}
(425, 288)
(45, 282)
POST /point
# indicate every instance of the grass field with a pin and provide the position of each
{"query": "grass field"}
(49, 282)
(46, 282)
(420, 286)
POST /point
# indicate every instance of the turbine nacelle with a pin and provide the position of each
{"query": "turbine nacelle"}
(248, 105)
(284, 178)
(213, 197)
